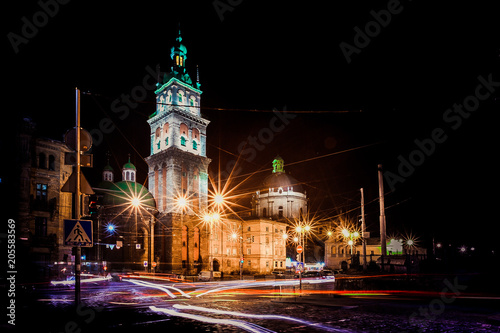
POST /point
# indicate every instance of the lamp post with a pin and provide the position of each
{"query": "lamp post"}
(211, 218)
(301, 230)
(351, 237)
(136, 203)
(236, 236)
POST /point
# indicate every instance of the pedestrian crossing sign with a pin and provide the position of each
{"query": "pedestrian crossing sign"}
(78, 233)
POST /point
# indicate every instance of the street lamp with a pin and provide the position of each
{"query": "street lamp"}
(135, 202)
(301, 230)
(350, 237)
(211, 218)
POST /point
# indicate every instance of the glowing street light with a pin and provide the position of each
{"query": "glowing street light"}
(182, 203)
(135, 202)
(218, 199)
(111, 228)
(350, 237)
(211, 217)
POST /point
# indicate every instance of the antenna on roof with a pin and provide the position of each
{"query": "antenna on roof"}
(159, 74)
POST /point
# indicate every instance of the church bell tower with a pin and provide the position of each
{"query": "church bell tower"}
(178, 166)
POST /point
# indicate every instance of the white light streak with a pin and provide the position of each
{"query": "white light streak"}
(160, 287)
(70, 282)
(241, 324)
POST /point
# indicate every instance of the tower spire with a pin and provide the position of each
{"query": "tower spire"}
(178, 55)
(198, 85)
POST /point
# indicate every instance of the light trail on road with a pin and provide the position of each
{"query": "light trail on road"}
(255, 316)
(250, 327)
(251, 285)
(93, 280)
(237, 323)
(160, 287)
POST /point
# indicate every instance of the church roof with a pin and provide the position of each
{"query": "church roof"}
(122, 193)
(129, 165)
(281, 179)
(108, 168)
(105, 185)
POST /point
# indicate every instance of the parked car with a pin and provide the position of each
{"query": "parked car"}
(205, 275)
(278, 274)
(328, 274)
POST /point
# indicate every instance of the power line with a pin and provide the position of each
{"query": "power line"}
(231, 109)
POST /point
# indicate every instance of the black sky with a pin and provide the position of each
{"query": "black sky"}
(286, 54)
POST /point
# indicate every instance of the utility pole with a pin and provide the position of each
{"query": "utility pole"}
(78, 256)
(363, 227)
(383, 243)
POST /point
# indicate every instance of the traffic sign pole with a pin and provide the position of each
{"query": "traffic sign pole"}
(78, 259)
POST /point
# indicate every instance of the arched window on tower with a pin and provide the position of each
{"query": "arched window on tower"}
(280, 211)
(42, 161)
(196, 134)
(165, 129)
(180, 97)
(52, 162)
(184, 134)
(157, 137)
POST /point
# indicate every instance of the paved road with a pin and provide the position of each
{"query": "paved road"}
(256, 306)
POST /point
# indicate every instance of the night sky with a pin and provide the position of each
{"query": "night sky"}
(397, 84)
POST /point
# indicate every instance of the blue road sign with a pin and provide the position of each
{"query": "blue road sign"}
(78, 233)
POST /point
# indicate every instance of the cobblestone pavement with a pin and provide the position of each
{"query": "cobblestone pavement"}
(365, 316)
(120, 307)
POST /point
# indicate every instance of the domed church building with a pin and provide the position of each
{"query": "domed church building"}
(125, 221)
(281, 195)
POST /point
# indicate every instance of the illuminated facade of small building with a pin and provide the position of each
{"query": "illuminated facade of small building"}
(400, 255)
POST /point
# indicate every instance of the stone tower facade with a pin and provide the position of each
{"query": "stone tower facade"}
(178, 168)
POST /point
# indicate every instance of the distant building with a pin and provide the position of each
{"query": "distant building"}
(42, 206)
(338, 254)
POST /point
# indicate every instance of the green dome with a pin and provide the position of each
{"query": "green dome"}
(108, 168)
(129, 165)
(122, 194)
(105, 185)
